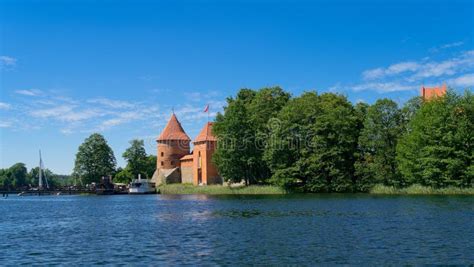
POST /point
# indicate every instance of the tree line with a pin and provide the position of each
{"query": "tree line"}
(18, 177)
(324, 143)
(95, 159)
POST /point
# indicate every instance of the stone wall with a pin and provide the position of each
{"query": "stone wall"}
(187, 174)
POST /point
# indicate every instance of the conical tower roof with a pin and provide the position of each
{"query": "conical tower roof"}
(205, 134)
(173, 131)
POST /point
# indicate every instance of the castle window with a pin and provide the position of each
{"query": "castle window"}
(162, 154)
(199, 160)
(162, 163)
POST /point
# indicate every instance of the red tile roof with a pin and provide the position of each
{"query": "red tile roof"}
(206, 134)
(173, 131)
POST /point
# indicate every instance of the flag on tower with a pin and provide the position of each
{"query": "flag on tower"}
(206, 109)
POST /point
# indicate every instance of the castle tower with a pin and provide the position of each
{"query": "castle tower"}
(172, 144)
(204, 171)
(430, 93)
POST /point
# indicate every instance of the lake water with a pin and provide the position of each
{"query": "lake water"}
(237, 230)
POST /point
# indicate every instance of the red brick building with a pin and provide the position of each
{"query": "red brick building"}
(433, 92)
(175, 164)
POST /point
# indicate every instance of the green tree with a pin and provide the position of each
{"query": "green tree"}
(236, 148)
(286, 152)
(14, 177)
(410, 108)
(243, 133)
(18, 173)
(437, 148)
(313, 146)
(123, 176)
(94, 159)
(377, 145)
(136, 158)
(5, 180)
(335, 141)
(150, 166)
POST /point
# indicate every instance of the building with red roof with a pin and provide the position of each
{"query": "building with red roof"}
(175, 164)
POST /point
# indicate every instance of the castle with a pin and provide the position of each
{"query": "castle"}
(176, 164)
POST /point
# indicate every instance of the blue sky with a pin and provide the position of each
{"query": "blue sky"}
(71, 68)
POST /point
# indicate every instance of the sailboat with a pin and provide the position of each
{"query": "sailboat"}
(42, 175)
(42, 179)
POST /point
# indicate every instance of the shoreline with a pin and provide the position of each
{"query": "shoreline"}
(187, 189)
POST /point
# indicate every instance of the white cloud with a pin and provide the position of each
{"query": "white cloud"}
(111, 103)
(446, 46)
(66, 131)
(394, 69)
(466, 80)
(29, 92)
(447, 67)
(5, 124)
(402, 67)
(383, 87)
(121, 119)
(423, 69)
(373, 74)
(455, 44)
(6, 61)
(4, 105)
(73, 115)
(65, 113)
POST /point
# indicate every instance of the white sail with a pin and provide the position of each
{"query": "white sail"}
(42, 174)
(40, 178)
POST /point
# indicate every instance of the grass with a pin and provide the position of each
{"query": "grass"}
(420, 190)
(183, 189)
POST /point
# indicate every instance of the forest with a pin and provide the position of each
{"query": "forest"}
(324, 143)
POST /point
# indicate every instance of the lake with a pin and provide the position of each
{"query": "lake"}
(237, 230)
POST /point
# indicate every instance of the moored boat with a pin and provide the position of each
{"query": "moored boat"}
(141, 186)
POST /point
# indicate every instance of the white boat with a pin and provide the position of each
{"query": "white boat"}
(141, 186)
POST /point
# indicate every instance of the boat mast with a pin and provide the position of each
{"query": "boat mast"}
(40, 181)
(42, 173)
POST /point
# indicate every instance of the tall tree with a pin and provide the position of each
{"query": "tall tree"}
(287, 150)
(313, 147)
(244, 123)
(14, 177)
(18, 173)
(263, 110)
(377, 145)
(437, 148)
(136, 158)
(236, 149)
(94, 159)
(335, 140)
